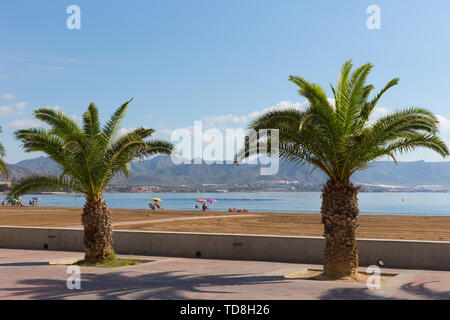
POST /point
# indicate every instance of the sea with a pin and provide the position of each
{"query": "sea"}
(396, 203)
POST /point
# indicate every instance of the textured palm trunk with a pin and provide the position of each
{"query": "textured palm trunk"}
(340, 218)
(97, 224)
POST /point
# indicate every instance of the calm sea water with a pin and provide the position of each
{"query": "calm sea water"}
(370, 203)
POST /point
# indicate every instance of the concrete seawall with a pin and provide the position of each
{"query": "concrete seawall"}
(405, 254)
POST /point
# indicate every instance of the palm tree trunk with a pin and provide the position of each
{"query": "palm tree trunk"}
(340, 218)
(97, 224)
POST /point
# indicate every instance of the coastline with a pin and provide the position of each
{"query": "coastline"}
(406, 190)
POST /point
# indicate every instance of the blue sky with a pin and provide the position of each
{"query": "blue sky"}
(222, 60)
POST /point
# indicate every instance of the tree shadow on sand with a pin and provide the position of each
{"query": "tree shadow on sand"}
(161, 285)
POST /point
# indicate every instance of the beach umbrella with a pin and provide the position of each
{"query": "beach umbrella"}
(201, 200)
(212, 200)
(157, 199)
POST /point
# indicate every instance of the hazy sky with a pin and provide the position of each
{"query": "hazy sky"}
(222, 61)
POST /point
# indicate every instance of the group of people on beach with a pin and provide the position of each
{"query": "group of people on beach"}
(234, 210)
(33, 202)
(14, 203)
(155, 205)
(204, 207)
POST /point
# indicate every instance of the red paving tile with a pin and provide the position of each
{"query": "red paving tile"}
(25, 274)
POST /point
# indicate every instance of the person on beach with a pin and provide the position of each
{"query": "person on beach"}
(152, 206)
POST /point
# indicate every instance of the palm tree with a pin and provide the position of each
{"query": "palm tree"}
(3, 167)
(339, 140)
(89, 158)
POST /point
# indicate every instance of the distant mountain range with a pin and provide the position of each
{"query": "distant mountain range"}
(160, 171)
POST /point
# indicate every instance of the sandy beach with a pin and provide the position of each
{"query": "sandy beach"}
(434, 228)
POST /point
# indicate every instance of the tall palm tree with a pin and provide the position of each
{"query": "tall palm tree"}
(3, 167)
(339, 140)
(89, 157)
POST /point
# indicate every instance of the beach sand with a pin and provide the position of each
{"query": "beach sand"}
(435, 228)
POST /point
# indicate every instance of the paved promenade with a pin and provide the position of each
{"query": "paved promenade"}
(26, 274)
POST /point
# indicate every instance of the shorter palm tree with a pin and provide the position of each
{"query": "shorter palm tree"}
(3, 167)
(89, 158)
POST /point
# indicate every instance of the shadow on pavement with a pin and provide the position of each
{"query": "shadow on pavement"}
(351, 294)
(161, 285)
(411, 290)
(23, 264)
(422, 292)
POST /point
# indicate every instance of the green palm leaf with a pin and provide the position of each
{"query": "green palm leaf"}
(3, 166)
(341, 140)
(89, 157)
(53, 183)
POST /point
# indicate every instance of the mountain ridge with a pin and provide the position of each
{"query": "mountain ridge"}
(161, 171)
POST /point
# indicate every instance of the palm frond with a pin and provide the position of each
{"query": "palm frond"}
(370, 106)
(2, 150)
(91, 122)
(113, 124)
(89, 156)
(311, 91)
(3, 169)
(352, 97)
(37, 183)
(340, 140)
(60, 123)
(3, 166)
(409, 142)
